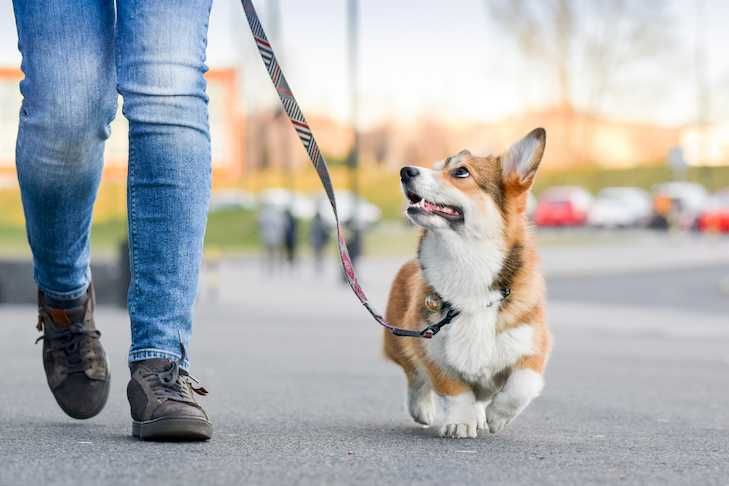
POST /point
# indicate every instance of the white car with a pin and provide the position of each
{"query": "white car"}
(367, 213)
(620, 207)
(300, 205)
(232, 199)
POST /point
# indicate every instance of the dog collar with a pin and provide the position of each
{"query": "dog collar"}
(435, 303)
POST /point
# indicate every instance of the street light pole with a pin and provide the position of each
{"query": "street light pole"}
(280, 121)
(353, 64)
(355, 231)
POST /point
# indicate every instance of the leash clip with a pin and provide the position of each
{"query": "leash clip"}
(434, 329)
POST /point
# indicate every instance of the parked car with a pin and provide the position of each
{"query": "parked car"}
(620, 207)
(231, 199)
(300, 205)
(678, 204)
(715, 216)
(563, 206)
(367, 213)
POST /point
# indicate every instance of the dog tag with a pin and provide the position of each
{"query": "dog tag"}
(433, 302)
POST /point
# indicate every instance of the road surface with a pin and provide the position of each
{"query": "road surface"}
(636, 393)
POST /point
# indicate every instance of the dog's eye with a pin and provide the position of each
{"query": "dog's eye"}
(460, 173)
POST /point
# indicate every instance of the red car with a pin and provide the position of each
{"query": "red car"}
(715, 217)
(563, 206)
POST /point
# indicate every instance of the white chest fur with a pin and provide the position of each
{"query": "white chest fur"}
(470, 348)
(462, 273)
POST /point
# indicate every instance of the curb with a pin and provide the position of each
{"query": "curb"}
(18, 287)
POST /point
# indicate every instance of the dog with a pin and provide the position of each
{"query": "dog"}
(476, 255)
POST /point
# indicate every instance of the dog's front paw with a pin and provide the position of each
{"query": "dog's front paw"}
(460, 418)
(422, 409)
(459, 431)
(497, 418)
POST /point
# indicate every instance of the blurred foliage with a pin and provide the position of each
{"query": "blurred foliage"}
(12, 211)
(110, 204)
(594, 178)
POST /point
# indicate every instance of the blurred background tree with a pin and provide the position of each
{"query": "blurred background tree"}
(588, 49)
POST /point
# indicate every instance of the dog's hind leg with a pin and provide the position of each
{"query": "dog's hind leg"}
(485, 392)
(420, 400)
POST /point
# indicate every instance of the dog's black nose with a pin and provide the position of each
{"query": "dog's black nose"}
(407, 173)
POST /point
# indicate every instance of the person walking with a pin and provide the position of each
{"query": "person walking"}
(271, 227)
(319, 235)
(76, 56)
(291, 236)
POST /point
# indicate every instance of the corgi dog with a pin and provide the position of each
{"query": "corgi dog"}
(476, 255)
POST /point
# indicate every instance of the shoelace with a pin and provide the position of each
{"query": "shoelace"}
(173, 383)
(69, 341)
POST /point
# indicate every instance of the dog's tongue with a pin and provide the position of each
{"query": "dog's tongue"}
(435, 208)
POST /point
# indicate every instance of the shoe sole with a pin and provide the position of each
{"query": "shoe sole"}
(173, 429)
(76, 414)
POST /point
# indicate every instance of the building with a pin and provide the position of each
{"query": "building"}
(226, 126)
(706, 144)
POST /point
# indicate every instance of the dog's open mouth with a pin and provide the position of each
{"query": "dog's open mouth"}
(420, 205)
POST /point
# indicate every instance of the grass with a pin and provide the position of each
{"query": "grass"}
(232, 230)
(13, 241)
(235, 232)
(105, 238)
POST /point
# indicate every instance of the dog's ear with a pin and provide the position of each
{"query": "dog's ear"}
(519, 164)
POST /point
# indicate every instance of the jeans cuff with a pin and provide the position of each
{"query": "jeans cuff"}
(74, 294)
(149, 353)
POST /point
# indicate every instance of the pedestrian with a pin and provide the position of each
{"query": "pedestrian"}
(271, 227)
(319, 238)
(77, 55)
(291, 236)
(353, 240)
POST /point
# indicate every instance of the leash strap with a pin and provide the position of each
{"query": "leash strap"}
(291, 107)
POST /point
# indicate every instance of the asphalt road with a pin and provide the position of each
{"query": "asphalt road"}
(702, 289)
(636, 393)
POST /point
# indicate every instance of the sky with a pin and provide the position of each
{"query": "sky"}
(441, 59)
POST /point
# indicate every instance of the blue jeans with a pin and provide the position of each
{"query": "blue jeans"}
(77, 54)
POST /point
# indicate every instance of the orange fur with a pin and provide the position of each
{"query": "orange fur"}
(406, 308)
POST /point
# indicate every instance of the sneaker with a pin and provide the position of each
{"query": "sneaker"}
(162, 402)
(73, 358)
